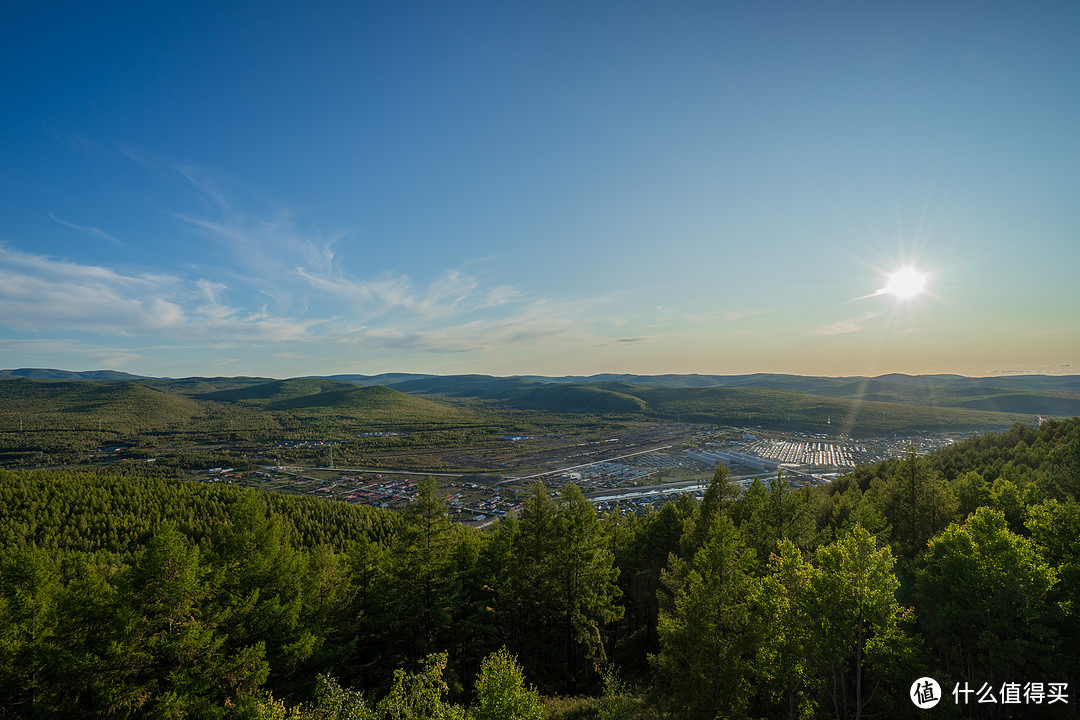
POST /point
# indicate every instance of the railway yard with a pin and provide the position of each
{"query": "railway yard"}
(626, 472)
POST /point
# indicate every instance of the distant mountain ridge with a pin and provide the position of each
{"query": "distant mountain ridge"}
(778, 400)
(804, 383)
(50, 374)
(315, 393)
(771, 398)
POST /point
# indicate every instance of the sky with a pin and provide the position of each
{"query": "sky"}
(283, 189)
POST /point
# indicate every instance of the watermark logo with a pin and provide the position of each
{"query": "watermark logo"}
(925, 693)
(1013, 693)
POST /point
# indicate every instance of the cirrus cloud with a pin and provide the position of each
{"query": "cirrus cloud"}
(850, 325)
(40, 293)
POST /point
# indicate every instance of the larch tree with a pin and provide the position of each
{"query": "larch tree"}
(862, 631)
(790, 655)
(587, 580)
(708, 637)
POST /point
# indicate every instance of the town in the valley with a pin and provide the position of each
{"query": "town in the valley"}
(626, 471)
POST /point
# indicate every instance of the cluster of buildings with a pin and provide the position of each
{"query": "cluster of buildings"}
(734, 457)
(818, 453)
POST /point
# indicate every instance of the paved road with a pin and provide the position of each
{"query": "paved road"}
(588, 464)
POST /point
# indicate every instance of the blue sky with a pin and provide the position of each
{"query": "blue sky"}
(285, 189)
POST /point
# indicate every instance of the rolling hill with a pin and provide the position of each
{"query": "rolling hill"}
(482, 387)
(50, 374)
(67, 404)
(789, 410)
(859, 406)
(580, 399)
(277, 391)
(308, 398)
(740, 403)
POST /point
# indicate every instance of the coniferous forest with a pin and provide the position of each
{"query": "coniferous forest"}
(129, 597)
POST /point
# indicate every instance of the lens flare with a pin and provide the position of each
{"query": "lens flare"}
(905, 284)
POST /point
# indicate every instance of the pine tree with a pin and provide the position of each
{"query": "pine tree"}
(790, 658)
(708, 639)
(29, 593)
(587, 581)
(420, 581)
(718, 499)
(532, 592)
(168, 659)
(563, 586)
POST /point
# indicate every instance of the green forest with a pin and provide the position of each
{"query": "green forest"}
(129, 597)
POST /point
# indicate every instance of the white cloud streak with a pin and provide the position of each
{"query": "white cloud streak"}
(296, 261)
(453, 314)
(541, 321)
(843, 326)
(317, 302)
(38, 293)
(89, 230)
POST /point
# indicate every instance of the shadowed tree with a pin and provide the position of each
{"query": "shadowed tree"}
(983, 599)
(168, 660)
(641, 558)
(429, 536)
(563, 586)
(790, 657)
(262, 588)
(707, 632)
(917, 504)
(587, 576)
(864, 645)
(29, 593)
(767, 515)
(532, 579)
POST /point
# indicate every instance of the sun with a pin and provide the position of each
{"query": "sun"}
(905, 284)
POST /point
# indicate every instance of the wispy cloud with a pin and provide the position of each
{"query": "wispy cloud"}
(39, 293)
(454, 293)
(89, 230)
(284, 283)
(453, 314)
(281, 251)
(563, 322)
(843, 326)
(267, 240)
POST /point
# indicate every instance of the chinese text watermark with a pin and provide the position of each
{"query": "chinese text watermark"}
(926, 693)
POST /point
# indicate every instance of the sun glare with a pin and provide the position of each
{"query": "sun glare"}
(904, 284)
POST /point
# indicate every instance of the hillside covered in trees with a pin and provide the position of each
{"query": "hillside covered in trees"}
(150, 597)
(57, 418)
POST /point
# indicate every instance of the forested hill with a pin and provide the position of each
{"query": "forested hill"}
(70, 404)
(771, 407)
(180, 422)
(125, 404)
(49, 374)
(83, 512)
(854, 405)
(145, 597)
